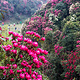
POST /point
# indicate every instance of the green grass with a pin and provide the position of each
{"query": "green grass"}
(6, 27)
(12, 28)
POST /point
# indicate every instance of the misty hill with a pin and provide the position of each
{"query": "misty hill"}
(20, 9)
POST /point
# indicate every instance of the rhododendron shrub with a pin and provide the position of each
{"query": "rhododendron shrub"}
(60, 52)
(23, 57)
(71, 33)
(54, 68)
(37, 24)
(47, 16)
(56, 36)
(48, 44)
(57, 49)
(1, 42)
(74, 8)
(70, 65)
(51, 39)
(46, 30)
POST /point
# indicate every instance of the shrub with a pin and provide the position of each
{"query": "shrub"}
(54, 68)
(26, 8)
(23, 57)
(37, 24)
(74, 8)
(48, 44)
(70, 66)
(51, 38)
(71, 33)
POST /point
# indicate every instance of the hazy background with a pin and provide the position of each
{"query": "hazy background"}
(19, 10)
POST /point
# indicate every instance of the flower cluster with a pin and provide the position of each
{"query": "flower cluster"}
(47, 29)
(37, 23)
(54, 2)
(0, 31)
(74, 8)
(56, 12)
(78, 45)
(22, 58)
(58, 49)
(56, 36)
(70, 65)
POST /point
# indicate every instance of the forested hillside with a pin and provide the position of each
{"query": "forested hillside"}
(48, 45)
(59, 22)
(19, 9)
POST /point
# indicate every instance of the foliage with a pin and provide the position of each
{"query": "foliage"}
(22, 57)
(74, 8)
(48, 44)
(70, 65)
(70, 30)
(69, 42)
(55, 69)
(78, 69)
(16, 8)
(61, 29)
(51, 39)
(38, 24)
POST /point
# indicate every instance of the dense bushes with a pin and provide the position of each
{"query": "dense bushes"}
(51, 39)
(62, 40)
(50, 16)
(22, 58)
(18, 8)
(56, 17)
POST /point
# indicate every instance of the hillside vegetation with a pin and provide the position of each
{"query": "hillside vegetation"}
(59, 22)
(19, 9)
(48, 47)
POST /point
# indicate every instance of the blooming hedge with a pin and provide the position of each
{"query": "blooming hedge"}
(22, 57)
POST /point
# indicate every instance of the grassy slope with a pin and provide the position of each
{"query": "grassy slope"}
(6, 27)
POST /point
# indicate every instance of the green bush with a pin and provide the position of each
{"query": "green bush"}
(54, 69)
(48, 44)
(51, 39)
(69, 41)
(71, 27)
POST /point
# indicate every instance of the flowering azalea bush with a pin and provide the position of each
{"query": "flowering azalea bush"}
(74, 8)
(64, 66)
(20, 7)
(51, 39)
(71, 64)
(56, 36)
(22, 57)
(49, 17)
(54, 68)
(37, 24)
(1, 42)
(46, 30)
(58, 49)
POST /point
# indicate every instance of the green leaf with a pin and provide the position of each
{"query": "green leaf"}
(2, 48)
(2, 39)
